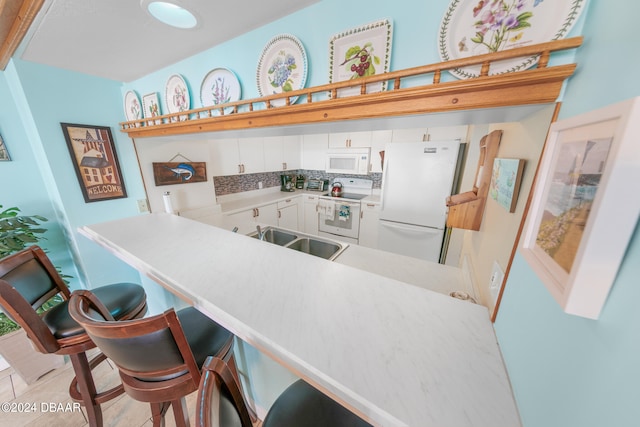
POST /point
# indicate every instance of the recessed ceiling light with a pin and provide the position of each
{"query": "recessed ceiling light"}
(171, 14)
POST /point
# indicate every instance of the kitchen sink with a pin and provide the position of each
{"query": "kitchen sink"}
(275, 236)
(312, 245)
(319, 248)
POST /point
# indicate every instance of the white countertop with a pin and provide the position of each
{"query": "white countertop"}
(394, 353)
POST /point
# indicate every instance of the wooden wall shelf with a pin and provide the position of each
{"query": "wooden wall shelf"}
(321, 104)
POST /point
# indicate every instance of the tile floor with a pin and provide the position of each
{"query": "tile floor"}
(52, 390)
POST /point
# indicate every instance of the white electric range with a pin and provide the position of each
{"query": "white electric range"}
(339, 217)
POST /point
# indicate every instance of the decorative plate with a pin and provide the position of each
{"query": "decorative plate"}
(282, 67)
(219, 86)
(177, 95)
(360, 52)
(132, 106)
(472, 28)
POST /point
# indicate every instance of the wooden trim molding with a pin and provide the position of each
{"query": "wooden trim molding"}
(318, 104)
(17, 17)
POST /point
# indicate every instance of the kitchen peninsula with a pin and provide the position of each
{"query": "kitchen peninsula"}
(395, 354)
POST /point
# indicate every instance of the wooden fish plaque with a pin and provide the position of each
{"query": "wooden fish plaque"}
(169, 173)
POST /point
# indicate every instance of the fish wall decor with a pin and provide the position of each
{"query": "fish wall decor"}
(169, 173)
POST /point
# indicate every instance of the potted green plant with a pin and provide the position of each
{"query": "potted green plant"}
(16, 233)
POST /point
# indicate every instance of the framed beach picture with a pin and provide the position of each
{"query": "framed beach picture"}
(584, 207)
(361, 52)
(505, 182)
(95, 161)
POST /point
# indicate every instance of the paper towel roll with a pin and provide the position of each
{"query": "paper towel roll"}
(168, 207)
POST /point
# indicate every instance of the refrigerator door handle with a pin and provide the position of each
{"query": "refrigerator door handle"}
(411, 228)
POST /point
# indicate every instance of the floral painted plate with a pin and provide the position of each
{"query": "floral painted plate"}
(177, 95)
(220, 86)
(477, 27)
(282, 67)
(132, 106)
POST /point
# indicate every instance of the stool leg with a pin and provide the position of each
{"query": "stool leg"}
(157, 413)
(87, 388)
(180, 412)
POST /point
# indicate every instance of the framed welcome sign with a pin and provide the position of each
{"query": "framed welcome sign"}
(585, 207)
(95, 161)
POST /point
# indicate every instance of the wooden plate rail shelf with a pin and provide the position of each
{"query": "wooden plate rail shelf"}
(318, 104)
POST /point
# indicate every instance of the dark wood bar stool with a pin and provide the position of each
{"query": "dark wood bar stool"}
(28, 280)
(159, 357)
(220, 403)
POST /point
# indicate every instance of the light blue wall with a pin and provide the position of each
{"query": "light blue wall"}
(567, 371)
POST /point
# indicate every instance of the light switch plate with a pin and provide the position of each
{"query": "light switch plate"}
(497, 275)
(143, 206)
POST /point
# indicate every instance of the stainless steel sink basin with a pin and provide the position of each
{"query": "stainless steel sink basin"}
(323, 248)
(319, 248)
(275, 236)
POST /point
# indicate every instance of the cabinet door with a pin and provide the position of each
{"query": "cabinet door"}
(311, 215)
(244, 217)
(225, 157)
(379, 140)
(251, 155)
(288, 217)
(448, 132)
(314, 151)
(268, 214)
(272, 146)
(292, 152)
(410, 135)
(369, 216)
(350, 139)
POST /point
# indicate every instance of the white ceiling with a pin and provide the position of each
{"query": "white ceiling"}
(118, 40)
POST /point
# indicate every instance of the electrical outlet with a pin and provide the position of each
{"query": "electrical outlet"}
(497, 275)
(143, 206)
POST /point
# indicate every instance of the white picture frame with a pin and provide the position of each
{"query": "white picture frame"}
(584, 206)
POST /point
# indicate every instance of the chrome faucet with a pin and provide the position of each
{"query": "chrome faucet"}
(235, 230)
(260, 233)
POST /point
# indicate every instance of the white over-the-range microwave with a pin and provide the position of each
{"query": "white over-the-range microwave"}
(353, 161)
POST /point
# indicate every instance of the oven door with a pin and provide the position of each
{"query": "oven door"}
(339, 217)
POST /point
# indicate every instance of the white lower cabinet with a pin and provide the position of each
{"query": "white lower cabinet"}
(369, 219)
(267, 214)
(288, 214)
(310, 214)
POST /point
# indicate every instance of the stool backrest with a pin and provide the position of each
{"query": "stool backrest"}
(28, 279)
(148, 349)
(215, 409)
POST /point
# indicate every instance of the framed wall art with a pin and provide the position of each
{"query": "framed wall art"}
(168, 173)
(584, 207)
(4, 153)
(151, 107)
(361, 52)
(95, 161)
(505, 182)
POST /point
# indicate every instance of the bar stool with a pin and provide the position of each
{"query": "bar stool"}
(27, 280)
(220, 403)
(158, 357)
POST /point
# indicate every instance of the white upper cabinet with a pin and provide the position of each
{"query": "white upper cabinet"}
(350, 139)
(282, 153)
(236, 156)
(437, 133)
(314, 151)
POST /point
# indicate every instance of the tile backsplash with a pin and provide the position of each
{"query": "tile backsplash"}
(231, 184)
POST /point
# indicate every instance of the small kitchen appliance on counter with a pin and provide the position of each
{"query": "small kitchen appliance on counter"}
(318, 185)
(286, 183)
(300, 182)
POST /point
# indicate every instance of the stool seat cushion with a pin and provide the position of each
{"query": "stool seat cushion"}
(205, 337)
(119, 298)
(302, 405)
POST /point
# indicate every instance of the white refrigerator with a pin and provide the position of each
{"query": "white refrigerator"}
(417, 178)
